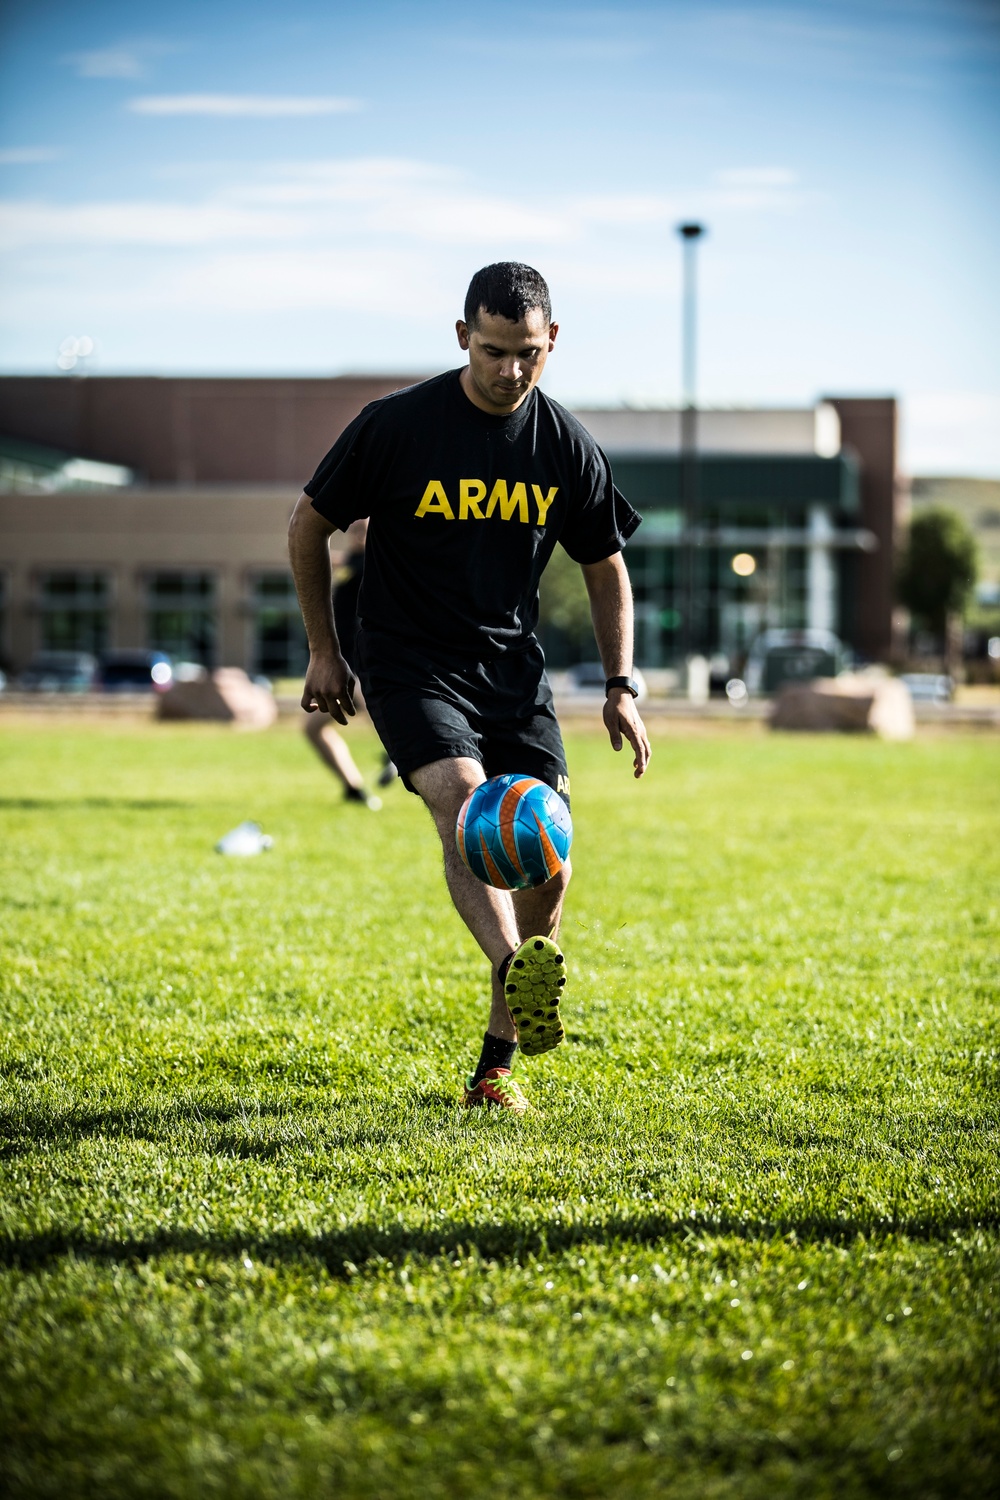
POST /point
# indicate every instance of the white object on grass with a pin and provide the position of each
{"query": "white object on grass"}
(245, 839)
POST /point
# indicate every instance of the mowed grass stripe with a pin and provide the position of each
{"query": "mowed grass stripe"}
(252, 1247)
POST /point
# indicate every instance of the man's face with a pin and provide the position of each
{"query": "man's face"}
(505, 359)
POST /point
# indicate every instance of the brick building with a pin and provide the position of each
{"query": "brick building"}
(144, 511)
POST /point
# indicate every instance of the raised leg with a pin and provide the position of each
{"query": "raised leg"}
(498, 920)
(539, 912)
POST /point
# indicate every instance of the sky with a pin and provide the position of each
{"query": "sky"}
(305, 188)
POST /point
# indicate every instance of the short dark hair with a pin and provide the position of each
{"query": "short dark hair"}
(507, 289)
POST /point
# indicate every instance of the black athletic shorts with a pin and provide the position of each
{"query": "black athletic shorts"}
(428, 708)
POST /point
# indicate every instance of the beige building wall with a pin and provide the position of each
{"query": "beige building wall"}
(232, 531)
(806, 430)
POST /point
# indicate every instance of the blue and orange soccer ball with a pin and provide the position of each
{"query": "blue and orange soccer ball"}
(514, 832)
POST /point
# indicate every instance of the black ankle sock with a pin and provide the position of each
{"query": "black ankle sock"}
(497, 1053)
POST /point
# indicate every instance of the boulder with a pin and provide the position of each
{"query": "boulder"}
(226, 695)
(850, 703)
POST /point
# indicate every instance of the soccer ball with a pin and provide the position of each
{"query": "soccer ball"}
(514, 832)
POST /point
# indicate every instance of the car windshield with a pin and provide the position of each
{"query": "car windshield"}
(58, 668)
(126, 671)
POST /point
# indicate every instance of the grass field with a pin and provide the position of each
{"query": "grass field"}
(747, 1245)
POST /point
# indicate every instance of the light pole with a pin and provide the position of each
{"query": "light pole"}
(690, 235)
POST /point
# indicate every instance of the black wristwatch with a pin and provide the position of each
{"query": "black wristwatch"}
(628, 683)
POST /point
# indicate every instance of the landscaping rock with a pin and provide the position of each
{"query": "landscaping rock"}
(850, 703)
(227, 696)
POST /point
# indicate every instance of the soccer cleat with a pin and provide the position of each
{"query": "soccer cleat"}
(533, 986)
(388, 773)
(496, 1090)
(362, 794)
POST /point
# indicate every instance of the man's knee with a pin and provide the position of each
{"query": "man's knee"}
(556, 885)
(445, 784)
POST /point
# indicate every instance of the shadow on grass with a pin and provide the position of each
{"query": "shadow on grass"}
(344, 1251)
(23, 1131)
(49, 804)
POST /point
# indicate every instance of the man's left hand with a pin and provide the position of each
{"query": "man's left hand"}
(622, 721)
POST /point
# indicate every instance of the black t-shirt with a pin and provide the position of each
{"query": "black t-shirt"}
(465, 510)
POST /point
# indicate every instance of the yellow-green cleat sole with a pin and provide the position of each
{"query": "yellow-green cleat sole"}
(533, 988)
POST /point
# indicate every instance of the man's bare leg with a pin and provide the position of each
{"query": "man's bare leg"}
(540, 911)
(498, 920)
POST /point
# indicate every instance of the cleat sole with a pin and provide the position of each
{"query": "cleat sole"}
(533, 989)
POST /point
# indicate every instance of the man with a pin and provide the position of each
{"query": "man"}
(469, 480)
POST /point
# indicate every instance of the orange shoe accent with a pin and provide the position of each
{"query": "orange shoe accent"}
(497, 1090)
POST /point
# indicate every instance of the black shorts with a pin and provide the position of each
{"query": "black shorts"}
(426, 708)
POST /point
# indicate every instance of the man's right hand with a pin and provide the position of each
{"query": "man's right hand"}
(329, 687)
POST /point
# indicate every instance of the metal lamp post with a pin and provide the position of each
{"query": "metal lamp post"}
(690, 235)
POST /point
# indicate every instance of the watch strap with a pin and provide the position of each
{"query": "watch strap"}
(628, 683)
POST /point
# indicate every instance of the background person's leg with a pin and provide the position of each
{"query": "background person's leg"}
(333, 751)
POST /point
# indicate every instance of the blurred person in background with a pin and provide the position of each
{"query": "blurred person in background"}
(330, 746)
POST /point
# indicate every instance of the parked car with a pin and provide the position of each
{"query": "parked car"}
(590, 677)
(130, 671)
(720, 673)
(59, 672)
(929, 687)
(780, 656)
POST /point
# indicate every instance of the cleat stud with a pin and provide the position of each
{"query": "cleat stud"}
(562, 981)
(512, 989)
(536, 1012)
(560, 959)
(519, 963)
(539, 943)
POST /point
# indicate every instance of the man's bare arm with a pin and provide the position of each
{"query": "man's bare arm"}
(329, 681)
(611, 611)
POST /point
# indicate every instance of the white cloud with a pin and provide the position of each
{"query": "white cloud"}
(128, 59)
(951, 432)
(262, 106)
(169, 224)
(398, 199)
(361, 180)
(626, 210)
(26, 156)
(336, 280)
(380, 201)
(106, 62)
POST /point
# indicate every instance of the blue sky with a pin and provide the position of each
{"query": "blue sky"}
(306, 188)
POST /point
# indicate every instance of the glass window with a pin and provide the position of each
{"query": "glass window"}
(182, 614)
(75, 607)
(279, 646)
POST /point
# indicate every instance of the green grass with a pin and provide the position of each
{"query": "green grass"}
(746, 1246)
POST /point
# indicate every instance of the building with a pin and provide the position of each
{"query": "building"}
(153, 512)
(783, 517)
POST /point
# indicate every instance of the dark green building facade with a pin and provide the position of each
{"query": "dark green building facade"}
(731, 545)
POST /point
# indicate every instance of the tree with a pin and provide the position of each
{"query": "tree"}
(937, 568)
(564, 611)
